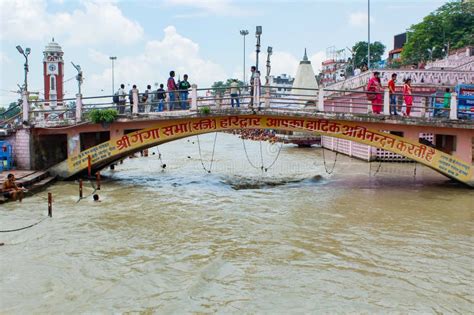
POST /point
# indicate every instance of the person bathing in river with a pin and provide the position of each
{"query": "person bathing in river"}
(11, 190)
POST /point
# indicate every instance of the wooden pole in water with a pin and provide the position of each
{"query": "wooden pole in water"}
(50, 205)
(80, 188)
(89, 165)
(97, 177)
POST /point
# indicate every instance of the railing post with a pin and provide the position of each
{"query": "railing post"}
(350, 108)
(194, 97)
(423, 107)
(78, 108)
(386, 102)
(321, 100)
(26, 107)
(453, 107)
(257, 90)
(135, 101)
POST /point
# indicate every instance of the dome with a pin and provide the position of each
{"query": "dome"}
(53, 47)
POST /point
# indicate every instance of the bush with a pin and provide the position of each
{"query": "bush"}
(98, 116)
(206, 110)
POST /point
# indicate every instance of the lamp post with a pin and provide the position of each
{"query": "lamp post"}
(244, 33)
(258, 33)
(368, 34)
(25, 53)
(269, 53)
(113, 58)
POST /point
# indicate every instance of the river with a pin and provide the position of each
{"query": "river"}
(293, 239)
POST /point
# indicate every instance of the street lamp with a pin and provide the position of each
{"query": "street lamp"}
(25, 53)
(269, 53)
(113, 58)
(258, 33)
(368, 34)
(244, 33)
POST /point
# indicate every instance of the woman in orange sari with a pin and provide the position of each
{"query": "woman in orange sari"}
(407, 96)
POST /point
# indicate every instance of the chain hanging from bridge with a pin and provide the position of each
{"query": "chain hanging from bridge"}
(212, 157)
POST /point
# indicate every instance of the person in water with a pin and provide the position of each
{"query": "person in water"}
(96, 198)
(11, 190)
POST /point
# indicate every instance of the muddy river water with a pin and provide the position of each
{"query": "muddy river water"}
(293, 239)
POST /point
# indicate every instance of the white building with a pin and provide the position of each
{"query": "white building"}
(305, 78)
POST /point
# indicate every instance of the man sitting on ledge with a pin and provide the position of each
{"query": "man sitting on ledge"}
(11, 190)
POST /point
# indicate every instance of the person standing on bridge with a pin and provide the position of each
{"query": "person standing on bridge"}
(184, 86)
(122, 99)
(172, 87)
(407, 96)
(147, 98)
(393, 97)
(375, 97)
(234, 93)
(160, 96)
(252, 82)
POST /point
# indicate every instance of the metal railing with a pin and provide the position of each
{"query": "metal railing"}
(327, 100)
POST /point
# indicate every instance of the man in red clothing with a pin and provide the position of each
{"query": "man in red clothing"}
(172, 94)
(393, 97)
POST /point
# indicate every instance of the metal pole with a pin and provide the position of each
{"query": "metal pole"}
(113, 58)
(368, 31)
(26, 73)
(244, 61)
(50, 205)
(113, 79)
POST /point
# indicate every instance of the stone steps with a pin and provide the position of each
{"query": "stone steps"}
(34, 181)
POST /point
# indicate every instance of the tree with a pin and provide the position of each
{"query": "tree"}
(11, 111)
(219, 87)
(449, 27)
(360, 53)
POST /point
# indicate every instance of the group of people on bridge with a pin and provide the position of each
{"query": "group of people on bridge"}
(174, 97)
(375, 96)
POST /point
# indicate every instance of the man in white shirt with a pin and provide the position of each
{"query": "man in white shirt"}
(122, 99)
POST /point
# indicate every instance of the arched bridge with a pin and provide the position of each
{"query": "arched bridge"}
(358, 129)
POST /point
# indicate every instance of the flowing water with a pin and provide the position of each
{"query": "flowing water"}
(293, 239)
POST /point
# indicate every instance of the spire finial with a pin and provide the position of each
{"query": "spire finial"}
(53, 39)
(305, 57)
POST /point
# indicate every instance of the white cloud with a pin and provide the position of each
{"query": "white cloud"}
(96, 22)
(359, 19)
(316, 60)
(173, 52)
(209, 7)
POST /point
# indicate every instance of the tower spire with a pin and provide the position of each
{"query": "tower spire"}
(305, 57)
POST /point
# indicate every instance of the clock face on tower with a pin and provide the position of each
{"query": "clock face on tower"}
(52, 67)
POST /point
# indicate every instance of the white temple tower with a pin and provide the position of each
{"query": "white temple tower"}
(305, 78)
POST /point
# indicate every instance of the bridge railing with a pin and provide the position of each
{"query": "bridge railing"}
(323, 100)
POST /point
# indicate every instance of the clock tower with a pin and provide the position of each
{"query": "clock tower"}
(53, 72)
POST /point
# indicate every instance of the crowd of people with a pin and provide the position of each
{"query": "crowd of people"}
(174, 97)
(375, 96)
(256, 134)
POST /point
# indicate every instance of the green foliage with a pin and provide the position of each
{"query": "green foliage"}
(11, 111)
(450, 25)
(219, 87)
(98, 116)
(360, 49)
(206, 110)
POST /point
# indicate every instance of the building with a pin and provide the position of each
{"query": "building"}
(305, 78)
(53, 73)
(281, 84)
(398, 43)
(334, 69)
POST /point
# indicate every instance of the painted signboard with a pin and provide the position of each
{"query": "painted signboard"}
(165, 131)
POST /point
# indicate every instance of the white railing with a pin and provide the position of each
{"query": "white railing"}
(417, 76)
(450, 63)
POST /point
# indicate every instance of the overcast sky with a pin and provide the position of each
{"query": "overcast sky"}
(197, 37)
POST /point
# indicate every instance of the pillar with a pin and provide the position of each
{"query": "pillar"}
(321, 100)
(386, 102)
(26, 107)
(135, 101)
(194, 97)
(453, 108)
(78, 108)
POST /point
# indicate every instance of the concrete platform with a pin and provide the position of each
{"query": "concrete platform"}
(34, 181)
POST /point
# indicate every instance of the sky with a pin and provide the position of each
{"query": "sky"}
(197, 37)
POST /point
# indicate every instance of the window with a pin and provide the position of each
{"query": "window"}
(53, 83)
